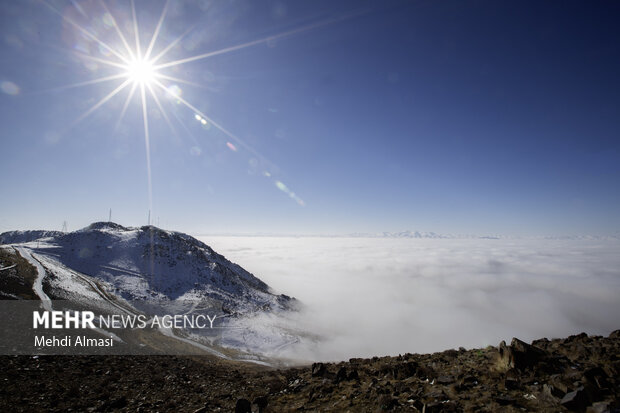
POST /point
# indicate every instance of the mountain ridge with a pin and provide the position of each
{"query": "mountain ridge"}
(149, 262)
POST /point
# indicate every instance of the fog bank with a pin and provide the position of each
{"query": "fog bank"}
(376, 296)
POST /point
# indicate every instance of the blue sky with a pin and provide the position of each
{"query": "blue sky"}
(462, 117)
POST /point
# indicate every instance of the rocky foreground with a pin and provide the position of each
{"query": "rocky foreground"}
(579, 373)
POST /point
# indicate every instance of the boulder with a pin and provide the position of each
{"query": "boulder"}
(520, 355)
(341, 375)
(243, 406)
(599, 407)
(576, 400)
(318, 369)
(261, 402)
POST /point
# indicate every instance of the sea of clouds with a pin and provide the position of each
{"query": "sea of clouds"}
(380, 296)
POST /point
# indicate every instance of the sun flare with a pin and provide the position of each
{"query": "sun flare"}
(141, 72)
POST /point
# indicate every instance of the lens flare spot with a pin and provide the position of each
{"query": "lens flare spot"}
(9, 88)
(231, 147)
(174, 92)
(195, 151)
(108, 20)
(282, 187)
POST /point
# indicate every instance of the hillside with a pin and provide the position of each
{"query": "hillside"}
(115, 271)
(572, 374)
(151, 263)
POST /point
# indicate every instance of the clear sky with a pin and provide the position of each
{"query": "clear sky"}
(330, 117)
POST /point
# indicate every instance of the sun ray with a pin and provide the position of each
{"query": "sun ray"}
(172, 44)
(161, 109)
(135, 30)
(86, 32)
(140, 71)
(122, 115)
(178, 79)
(118, 30)
(147, 143)
(251, 43)
(212, 122)
(86, 83)
(101, 102)
(100, 60)
(157, 29)
(185, 128)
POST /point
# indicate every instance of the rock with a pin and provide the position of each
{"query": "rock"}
(243, 406)
(597, 378)
(296, 384)
(576, 400)
(559, 384)
(520, 355)
(416, 404)
(118, 403)
(614, 334)
(341, 375)
(466, 382)
(445, 379)
(387, 402)
(404, 370)
(577, 337)
(318, 369)
(511, 383)
(552, 391)
(506, 358)
(505, 400)
(353, 375)
(261, 402)
(599, 407)
(441, 407)
(436, 395)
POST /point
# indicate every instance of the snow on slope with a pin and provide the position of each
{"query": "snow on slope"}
(19, 237)
(148, 262)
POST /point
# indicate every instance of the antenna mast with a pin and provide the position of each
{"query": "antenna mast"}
(110, 216)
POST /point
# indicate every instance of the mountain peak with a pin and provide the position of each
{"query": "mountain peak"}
(101, 225)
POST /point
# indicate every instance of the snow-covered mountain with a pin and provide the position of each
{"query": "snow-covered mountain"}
(148, 262)
(18, 237)
(413, 234)
(404, 234)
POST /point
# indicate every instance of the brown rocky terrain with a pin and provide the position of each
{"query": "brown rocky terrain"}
(580, 373)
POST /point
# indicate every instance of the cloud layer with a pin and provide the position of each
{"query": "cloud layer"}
(373, 296)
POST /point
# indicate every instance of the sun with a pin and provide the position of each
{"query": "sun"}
(141, 71)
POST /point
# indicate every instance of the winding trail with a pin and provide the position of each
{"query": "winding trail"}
(47, 305)
(46, 302)
(37, 285)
